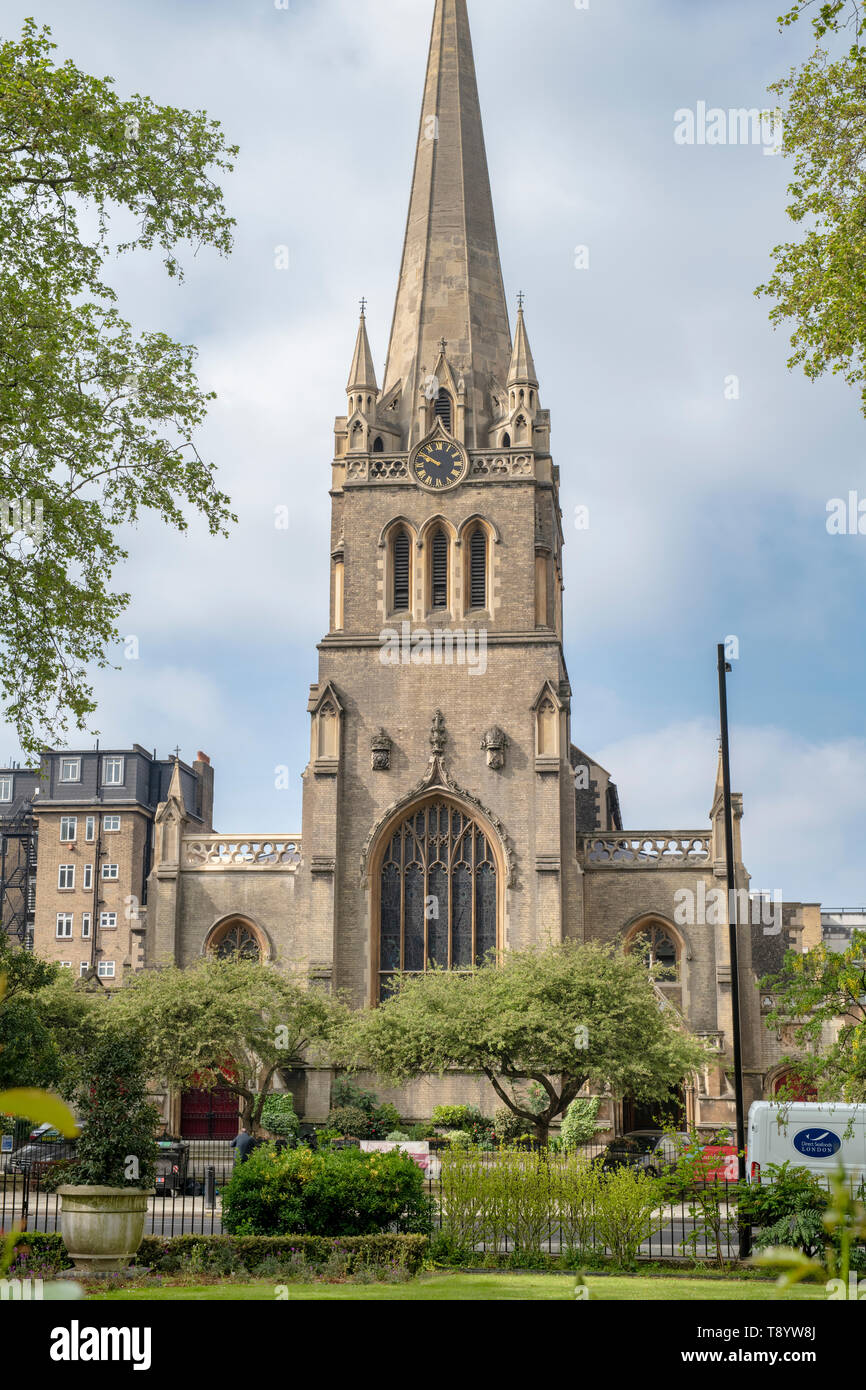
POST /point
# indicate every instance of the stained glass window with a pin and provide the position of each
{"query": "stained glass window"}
(655, 945)
(438, 895)
(238, 942)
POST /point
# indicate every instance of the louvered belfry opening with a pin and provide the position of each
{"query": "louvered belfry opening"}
(401, 572)
(440, 571)
(478, 569)
(443, 408)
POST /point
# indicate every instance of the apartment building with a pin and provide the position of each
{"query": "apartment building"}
(94, 814)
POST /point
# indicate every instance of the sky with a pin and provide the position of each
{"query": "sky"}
(705, 463)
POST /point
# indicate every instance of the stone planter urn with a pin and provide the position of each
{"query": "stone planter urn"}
(102, 1226)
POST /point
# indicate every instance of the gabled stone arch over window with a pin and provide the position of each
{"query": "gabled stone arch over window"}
(477, 538)
(656, 944)
(326, 710)
(548, 711)
(398, 540)
(438, 877)
(443, 409)
(236, 937)
(436, 540)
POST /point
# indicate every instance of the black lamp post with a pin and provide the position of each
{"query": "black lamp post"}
(724, 668)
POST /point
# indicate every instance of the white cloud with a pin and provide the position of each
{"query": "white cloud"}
(804, 802)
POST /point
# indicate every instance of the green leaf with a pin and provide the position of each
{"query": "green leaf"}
(40, 1108)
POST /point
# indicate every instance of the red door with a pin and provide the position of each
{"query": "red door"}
(209, 1114)
(795, 1086)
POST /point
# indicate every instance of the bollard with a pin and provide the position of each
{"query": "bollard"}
(210, 1188)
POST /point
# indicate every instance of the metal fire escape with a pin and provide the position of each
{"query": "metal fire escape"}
(18, 838)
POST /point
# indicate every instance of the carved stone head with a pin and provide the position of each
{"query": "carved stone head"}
(380, 747)
(494, 744)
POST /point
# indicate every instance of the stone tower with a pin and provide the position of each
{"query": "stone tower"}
(446, 812)
(439, 800)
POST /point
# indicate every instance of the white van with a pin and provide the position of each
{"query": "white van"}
(807, 1134)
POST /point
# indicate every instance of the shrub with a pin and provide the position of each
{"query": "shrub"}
(459, 1138)
(40, 1249)
(464, 1117)
(386, 1116)
(336, 1192)
(625, 1215)
(505, 1204)
(345, 1093)
(165, 1255)
(577, 1188)
(354, 1123)
(421, 1132)
(56, 1174)
(357, 1112)
(454, 1116)
(278, 1116)
(507, 1126)
(116, 1147)
(578, 1126)
(398, 1137)
(788, 1207)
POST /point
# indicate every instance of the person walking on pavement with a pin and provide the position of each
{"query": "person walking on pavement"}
(244, 1143)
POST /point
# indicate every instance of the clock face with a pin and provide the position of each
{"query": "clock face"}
(439, 464)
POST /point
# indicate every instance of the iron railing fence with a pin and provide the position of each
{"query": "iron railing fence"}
(188, 1201)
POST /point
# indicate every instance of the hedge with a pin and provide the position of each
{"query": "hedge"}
(161, 1253)
(43, 1246)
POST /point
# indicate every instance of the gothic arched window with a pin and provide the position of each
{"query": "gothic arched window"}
(439, 570)
(378, 445)
(658, 948)
(478, 569)
(443, 408)
(401, 554)
(506, 441)
(438, 894)
(235, 941)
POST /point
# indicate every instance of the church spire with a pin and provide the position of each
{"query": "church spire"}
(362, 376)
(450, 280)
(522, 369)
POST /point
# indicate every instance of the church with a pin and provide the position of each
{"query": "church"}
(448, 807)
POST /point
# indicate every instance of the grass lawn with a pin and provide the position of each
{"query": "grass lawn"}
(483, 1287)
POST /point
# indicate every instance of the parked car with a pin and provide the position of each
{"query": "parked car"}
(649, 1150)
(45, 1145)
(654, 1152)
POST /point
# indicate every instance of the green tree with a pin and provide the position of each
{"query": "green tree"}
(560, 1017)
(117, 1147)
(43, 1018)
(232, 1023)
(97, 424)
(818, 280)
(822, 993)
